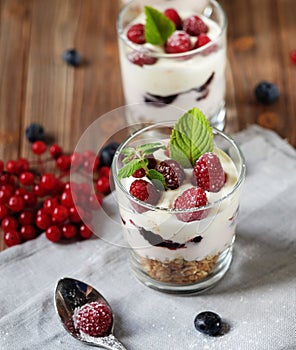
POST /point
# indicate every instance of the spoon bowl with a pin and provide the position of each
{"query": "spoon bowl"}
(71, 294)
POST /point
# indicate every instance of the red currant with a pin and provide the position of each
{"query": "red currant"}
(69, 231)
(95, 201)
(9, 223)
(3, 211)
(48, 181)
(68, 199)
(26, 178)
(53, 233)
(63, 163)
(38, 147)
(55, 151)
(105, 171)
(60, 213)
(30, 199)
(26, 217)
(11, 166)
(103, 185)
(22, 165)
(28, 232)
(76, 159)
(85, 232)
(5, 195)
(12, 237)
(39, 190)
(49, 204)
(20, 191)
(75, 214)
(43, 221)
(16, 203)
(1, 166)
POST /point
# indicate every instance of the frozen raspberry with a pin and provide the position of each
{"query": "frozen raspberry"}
(178, 42)
(193, 197)
(144, 191)
(94, 319)
(140, 59)
(201, 40)
(136, 34)
(173, 15)
(194, 26)
(209, 173)
(172, 172)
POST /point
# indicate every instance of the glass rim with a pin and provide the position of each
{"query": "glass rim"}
(149, 52)
(229, 139)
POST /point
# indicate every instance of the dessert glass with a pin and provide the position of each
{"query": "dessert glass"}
(171, 255)
(193, 78)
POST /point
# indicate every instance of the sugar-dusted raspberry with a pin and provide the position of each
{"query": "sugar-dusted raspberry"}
(209, 173)
(173, 15)
(136, 33)
(144, 191)
(173, 173)
(94, 319)
(193, 197)
(194, 26)
(178, 42)
(202, 40)
(140, 58)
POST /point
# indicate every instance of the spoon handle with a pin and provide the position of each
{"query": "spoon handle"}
(110, 343)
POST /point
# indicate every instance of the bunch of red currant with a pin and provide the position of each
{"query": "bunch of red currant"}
(37, 196)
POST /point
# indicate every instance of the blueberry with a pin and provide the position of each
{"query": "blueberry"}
(107, 154)
(35, 132)
(266, 92)
(208, 322)
(72, 58)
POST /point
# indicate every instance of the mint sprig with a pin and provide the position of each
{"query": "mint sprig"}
(136, 158)
(191, 137)
(158, 28)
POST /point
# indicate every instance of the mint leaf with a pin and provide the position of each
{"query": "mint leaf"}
(191, 137)
(150, 148)
(157, 179)
(128, 169)
(158, 27)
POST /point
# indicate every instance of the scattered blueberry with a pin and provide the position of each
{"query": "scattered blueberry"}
(208, 322)
(72, 58)
(35, 132)
(107, 154)
(266, 92)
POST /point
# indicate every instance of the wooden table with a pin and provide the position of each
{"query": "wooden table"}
(36, 85)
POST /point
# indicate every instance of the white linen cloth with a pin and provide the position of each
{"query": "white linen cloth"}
(256, 298)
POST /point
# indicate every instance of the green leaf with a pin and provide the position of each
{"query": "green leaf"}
(149, 148)
(157, 179)
(158, 27)
(191, 137)
(128, 169)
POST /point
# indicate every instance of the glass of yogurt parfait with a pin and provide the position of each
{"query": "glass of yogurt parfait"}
(173, 52)
(178, 187)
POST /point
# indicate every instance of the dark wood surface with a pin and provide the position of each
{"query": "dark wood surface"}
(36, 85)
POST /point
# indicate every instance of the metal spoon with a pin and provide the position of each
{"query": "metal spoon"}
(71, 294)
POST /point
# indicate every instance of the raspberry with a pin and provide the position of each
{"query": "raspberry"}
(209, 173)
(140, 59)
(178, 42)
(94, 319)
(293, 56)
(201, 40)
(173, 15)
(144, 191)
(172, 172)
(194, 26)
(139, 173)
(136, 33)
(193, 197)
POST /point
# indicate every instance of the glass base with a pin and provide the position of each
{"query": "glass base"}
(221, 267)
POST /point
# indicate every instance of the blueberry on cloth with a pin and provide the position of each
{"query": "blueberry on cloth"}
(35, 132)
(208, 322)
(266, 92)
(107, 154)
(72, 58)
